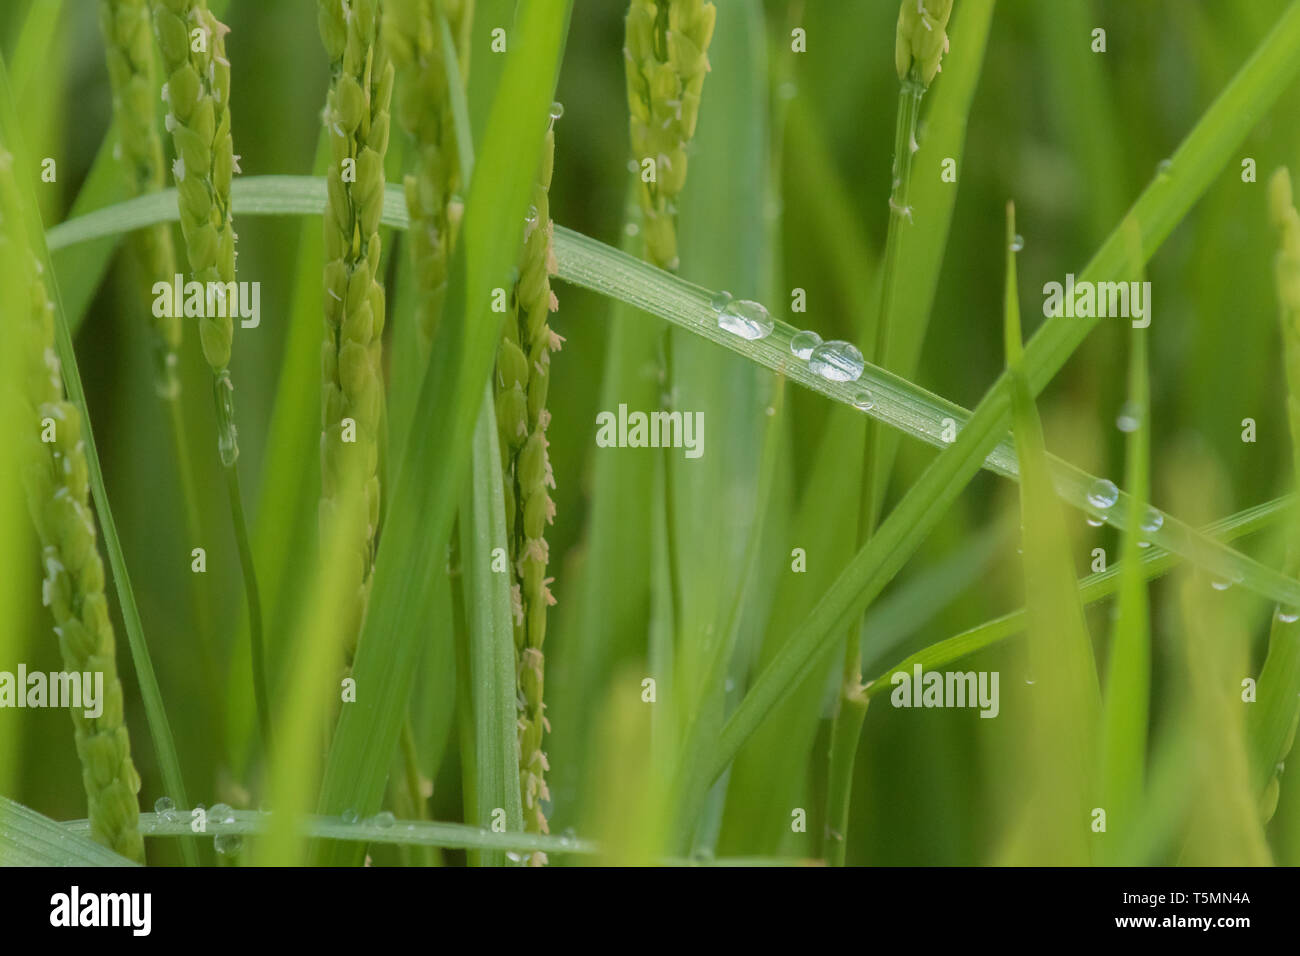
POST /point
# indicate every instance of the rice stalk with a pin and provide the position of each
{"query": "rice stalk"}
(523, 376)
(666, 60)
(192, 43)
(435, 183)
(130, 58)
(56, 476)
(352, 389)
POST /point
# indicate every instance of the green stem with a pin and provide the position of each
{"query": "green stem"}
(846, 726)
(845, 733)
(254, 604)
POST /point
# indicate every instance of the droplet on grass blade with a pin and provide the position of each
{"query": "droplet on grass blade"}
(383, 819)
(803, 343)
(720, 300)
(164, 805)
(863, 400)
(836, 361)
(1288, 615)
(1103, 494)
(748, 319)
(1017, 243)
(349, 816)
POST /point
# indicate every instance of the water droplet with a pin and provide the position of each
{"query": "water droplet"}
(513, 857)
(1017, 242)
(383, 819)
(1164, 167)
(632, 229)
(748, 319)
(720, 300)
(1220, 585)
(530, 217)
(1288, 615)
(1103, 494)
(836, 361)
(863, 401)
(1152, 521)
(228, 844)
(557, 110)
(349, 816)
(221, 813)
(164, 805)
(803, 343)
(1095, 522)
(1030, 681)
(1129, 417)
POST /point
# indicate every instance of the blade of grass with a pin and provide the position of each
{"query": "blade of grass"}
(1128, 669)
(1063, 716)
(402, 832)
(491, 679)
(29, 839)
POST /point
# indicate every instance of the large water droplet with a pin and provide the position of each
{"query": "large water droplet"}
(383, 819)
(1017, 242)
(228, 844)
(803, 343)
(164, 805)
(221, 813)
(1129, 417)
(748, 319)
(720, 300)
(836, 361)
(1103, 494)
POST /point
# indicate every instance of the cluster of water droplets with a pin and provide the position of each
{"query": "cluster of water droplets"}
(834, 361)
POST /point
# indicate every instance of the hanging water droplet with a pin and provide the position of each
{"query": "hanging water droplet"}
(836, 361)
(228, 844)
(1152, 522)
(557, 110)
(1095, 522)
(720, 300)
(1103, 494)
(349, 816)
(1288, 615)
(164, 805)
(1220, 585)
(748, 319)
(863, 401)
(1129, 417)
(1017, 242)
(803, 343)
(383, 819)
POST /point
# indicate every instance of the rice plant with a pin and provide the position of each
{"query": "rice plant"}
(914, 485)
